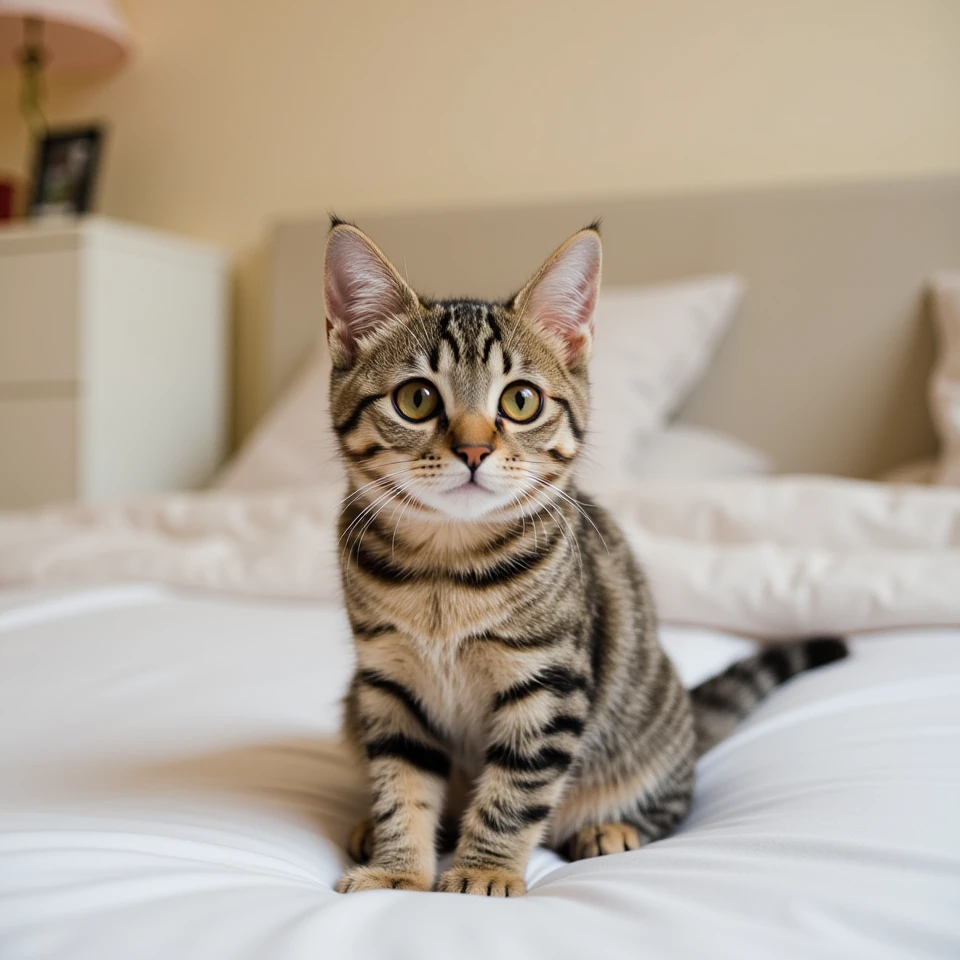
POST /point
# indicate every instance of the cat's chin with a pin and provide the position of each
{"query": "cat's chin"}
(467, 502)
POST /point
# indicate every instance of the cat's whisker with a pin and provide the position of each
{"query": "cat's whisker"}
(407, 500)
(393, 463)
(538, 516)
(378, 482)
(351, 497)
(376, 493)
(576, 504)
(363, 513)
(558, 516)
(375, 484)
(517, 499)
(359, 540)
(395, 473)
(390, 492)
(584, 454)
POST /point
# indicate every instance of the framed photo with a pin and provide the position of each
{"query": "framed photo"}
(65, 171)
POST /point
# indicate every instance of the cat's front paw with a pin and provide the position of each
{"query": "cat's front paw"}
(483, 882)
(376, 878)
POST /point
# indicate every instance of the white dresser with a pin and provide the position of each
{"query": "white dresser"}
(113, 361)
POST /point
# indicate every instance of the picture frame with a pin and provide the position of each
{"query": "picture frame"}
(66, 165)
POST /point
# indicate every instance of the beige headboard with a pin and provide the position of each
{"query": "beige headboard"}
(826, 367)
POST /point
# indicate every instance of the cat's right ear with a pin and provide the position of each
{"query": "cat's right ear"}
(362, 292)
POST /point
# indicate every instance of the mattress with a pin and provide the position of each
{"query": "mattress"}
(172, 785)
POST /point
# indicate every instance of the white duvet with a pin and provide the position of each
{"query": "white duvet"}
(171, 783)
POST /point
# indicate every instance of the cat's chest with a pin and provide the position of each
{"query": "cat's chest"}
(458, 688)
(460, 697)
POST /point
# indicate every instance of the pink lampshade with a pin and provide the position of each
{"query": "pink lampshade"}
(77, 34)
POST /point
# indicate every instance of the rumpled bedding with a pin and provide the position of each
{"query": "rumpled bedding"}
(172, 782)
(762, 557)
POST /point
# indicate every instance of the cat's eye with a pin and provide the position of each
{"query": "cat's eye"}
(416, 400)
(521, 402)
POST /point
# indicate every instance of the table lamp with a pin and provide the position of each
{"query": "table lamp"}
(61, 36)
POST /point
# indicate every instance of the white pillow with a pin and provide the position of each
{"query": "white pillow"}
(293, 445)
(945, 383)
(652, 345)
(688, 452)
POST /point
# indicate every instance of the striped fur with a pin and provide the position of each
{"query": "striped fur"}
(505, 636)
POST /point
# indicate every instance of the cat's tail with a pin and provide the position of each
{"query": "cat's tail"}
(722, 701)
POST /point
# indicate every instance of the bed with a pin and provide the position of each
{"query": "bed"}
(171, 778)
(171, 786)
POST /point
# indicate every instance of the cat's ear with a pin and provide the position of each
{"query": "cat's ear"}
(562, 298)
(362, 292)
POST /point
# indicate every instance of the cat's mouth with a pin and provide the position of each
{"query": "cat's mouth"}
(467, 497)
(471, 486)
(468, 500)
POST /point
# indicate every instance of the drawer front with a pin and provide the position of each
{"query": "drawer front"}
(38, 317)
(38, 452)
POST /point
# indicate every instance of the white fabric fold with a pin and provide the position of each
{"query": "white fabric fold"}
(758, 556)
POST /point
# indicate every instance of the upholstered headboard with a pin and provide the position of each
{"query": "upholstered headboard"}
(826, 367)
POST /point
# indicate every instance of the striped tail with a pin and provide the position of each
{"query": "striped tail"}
(721, 702)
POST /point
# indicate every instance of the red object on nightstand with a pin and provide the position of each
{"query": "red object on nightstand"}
(6, 200)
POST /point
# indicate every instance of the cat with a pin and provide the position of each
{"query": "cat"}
(506, 638)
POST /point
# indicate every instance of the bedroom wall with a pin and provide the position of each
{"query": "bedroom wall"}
(234, 113)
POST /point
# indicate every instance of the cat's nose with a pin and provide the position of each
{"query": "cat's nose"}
(473, 454)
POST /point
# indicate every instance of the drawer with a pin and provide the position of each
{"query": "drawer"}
(38, 451)
(38, 317)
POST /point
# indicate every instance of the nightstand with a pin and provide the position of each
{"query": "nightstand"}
(113, 361)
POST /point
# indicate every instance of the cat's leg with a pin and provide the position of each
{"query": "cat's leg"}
(601, 818)
(514, 798)
(360, 844)
(360, 841)
(408, 767)
(534, 737)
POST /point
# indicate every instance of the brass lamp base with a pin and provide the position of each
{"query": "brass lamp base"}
(32, 59)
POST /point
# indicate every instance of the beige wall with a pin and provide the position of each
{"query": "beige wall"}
(234, 112)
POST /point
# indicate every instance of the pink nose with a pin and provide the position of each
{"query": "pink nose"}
(473, 454)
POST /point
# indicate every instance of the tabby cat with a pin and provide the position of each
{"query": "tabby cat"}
(505, 637)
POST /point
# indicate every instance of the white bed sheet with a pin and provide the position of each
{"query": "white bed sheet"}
(171, 786)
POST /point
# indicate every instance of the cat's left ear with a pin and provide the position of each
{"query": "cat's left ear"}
(562, 298)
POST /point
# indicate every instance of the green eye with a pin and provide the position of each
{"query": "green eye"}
(416, 399)
(521, 402)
